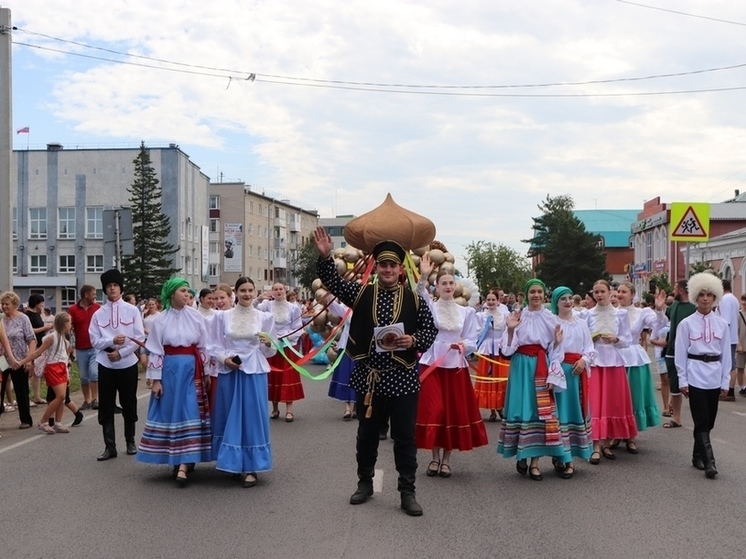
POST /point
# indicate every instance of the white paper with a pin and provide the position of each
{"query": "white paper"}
(384, 336)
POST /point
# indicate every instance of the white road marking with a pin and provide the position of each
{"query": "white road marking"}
(740, 413)
(378, 481)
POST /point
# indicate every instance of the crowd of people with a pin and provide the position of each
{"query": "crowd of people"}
(570, 377)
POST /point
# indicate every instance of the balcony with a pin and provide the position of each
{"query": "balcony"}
(294, 224)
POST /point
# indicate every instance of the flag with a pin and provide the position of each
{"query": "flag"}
(22, 130)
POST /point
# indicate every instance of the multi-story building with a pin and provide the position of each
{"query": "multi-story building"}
(59, 201)
(256, 235)
(335, 226)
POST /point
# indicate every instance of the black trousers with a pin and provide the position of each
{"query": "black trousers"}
(20, 385)
(703, 403)
(402, 412)
(111, 382)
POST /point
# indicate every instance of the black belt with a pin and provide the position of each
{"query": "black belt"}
(704, 358)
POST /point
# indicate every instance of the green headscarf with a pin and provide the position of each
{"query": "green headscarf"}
(169, 288)
(532, 282)
(557, 294)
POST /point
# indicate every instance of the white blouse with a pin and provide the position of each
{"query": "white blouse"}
(577, 339)
(639, 320)
(287, 318)
(234, 332)
(339, 309)
(605, 319)
(456, 325)
(179, 328)
(491, 334)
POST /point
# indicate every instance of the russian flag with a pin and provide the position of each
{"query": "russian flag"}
(24, 130)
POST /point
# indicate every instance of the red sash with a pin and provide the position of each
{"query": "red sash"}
(199, 375)
(544, 397)
(571, 359)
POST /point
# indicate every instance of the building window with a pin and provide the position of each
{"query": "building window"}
(15, 223)
(251, 251)
(188, 265)
(251, 228)
(213, 247)
(37, 263)
(649, 251)
(214, 225)
(15, 263)
(37, 223)
(190, 231)
(66, 264)
(94, 263)
(214, 202)
(183, 229)
(94, 223)
(66, 223)
(251, 207)
(213, 269)
(68, 297)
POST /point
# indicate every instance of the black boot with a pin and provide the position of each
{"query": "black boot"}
(697, 458)
(363, 492)
(110, 441)
(129, 436)
(708, 456)
(409, 504)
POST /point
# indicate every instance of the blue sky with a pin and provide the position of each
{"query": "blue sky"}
(477, 166)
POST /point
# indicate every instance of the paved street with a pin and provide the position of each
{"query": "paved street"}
(59, 502)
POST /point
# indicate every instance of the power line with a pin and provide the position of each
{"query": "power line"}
(681, 13)
(359, 86)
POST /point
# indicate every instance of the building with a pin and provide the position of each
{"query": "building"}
(655, 254)
(59, 202)
(613, 227)
(335, 226)
(256, 235)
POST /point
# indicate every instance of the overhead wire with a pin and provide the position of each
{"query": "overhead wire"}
(681, 13)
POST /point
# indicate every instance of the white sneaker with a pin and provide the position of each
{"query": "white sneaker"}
(60, 428)
(46, 428)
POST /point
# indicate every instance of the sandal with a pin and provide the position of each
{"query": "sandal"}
(559, 466)
(275, 414)
(430, 472)
(535, 476)
(347, 416)
(614, 443)
(595, 458)
(181, 477)
(667, 414)
(521, 467)
(289, 417)
(568, 472)
(632, 447)
(443, 473)
(493, 416)
(606, 451)
(249, 480)
(671, 425)
(46, 428)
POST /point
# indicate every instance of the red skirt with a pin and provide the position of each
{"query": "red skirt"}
(447, 413)
(55, 374)
(284, 381)
(490, 394)
(612, 414)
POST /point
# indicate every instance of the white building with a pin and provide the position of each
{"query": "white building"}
(59, 198)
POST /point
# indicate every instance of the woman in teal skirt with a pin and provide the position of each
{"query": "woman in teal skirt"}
(530, 426)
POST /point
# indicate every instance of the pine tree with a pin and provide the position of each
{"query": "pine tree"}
(150, 265)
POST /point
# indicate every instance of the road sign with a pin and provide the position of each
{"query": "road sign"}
(689, 222)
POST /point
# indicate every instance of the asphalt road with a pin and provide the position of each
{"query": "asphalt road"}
(58, 501)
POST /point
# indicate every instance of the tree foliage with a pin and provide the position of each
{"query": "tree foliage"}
(493, 265)
(151, 263)
(305, 264)
(568, 254)
(698, 267)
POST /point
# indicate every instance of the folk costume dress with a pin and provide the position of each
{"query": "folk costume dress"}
(611, 403)
(284, 381)
(177, 429)
(573, 403)
(491, 364)
(447, 414)
(210, 369)
(530, 426)
(340, 388)
(637, 362)
(240, 430)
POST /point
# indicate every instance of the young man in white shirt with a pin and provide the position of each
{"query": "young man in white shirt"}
(114, 330)
(703, 364)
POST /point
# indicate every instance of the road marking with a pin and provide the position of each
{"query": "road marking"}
(378, 481)
(86, 418)
(740, 413)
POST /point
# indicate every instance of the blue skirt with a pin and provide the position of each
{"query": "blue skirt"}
(521, 431)
(574, 425)
(339, 388)
(174, 433)
(642, 391)
(240, 441)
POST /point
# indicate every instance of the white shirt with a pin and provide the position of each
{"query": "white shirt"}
(577, 339)
(728, 309)
(641, 319)
(287, 318)
(703, 334)
(456, 325)
(609, 320)
(234, 332)
(178, 328)
(494, 332)
(339, 309)
(109, 321)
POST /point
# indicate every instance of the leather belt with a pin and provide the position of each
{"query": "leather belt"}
(704, 358)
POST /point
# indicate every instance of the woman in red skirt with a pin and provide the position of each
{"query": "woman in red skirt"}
(448, 417)
(284, 380)
(491, 365)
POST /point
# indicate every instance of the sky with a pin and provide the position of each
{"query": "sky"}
(467, 112)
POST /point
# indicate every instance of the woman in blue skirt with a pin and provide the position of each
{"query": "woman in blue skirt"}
(177, 429)
(340, 388)
(241, 344)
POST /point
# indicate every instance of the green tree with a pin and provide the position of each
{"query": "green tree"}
(567, 253)
(698, 267)
(661, 281)
(305, 264)
(151, 264)
(493, 264)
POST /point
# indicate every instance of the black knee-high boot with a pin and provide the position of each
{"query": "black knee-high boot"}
(129, 437)
(708, 456)
(110, 440)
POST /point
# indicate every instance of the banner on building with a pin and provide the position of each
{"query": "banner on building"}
(232, 247)
(205, 271)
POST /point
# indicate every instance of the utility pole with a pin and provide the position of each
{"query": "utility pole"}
(6, 151)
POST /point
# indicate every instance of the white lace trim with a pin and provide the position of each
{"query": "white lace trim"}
(449, 317)
(605, 320)
(243, 322)
(281, 312)
(633, 313)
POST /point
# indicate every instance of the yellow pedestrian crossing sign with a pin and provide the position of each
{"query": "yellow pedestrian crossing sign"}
(689, 222)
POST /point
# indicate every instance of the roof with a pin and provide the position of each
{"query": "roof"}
(612, 225)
